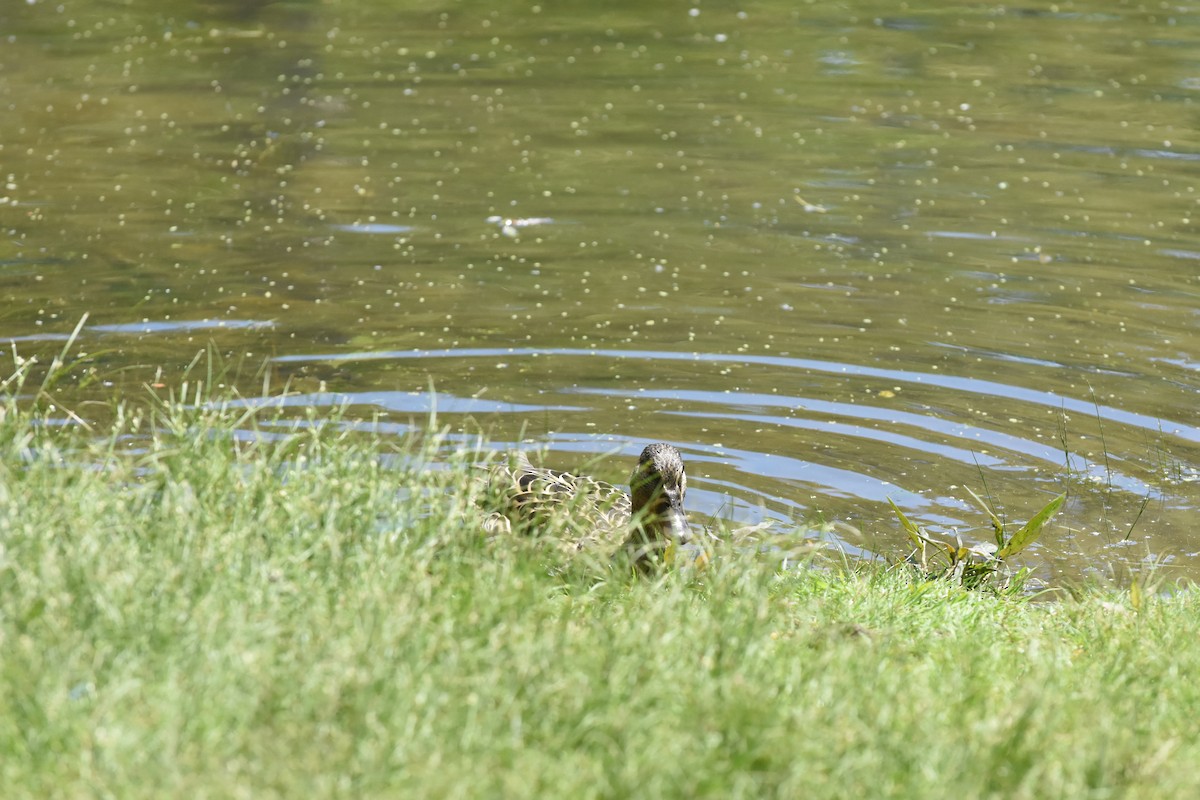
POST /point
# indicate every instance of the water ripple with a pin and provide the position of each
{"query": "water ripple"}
(974, 386)
(403, 402)
(183, 326)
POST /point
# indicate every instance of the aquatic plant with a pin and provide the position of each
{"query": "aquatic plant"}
(979, 565)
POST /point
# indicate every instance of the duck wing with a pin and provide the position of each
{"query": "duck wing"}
(536, 495)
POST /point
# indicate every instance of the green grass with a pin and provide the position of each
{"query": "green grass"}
(190, 612)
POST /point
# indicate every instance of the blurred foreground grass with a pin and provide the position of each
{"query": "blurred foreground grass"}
(205, 601)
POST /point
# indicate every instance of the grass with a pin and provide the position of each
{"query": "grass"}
(207, 602)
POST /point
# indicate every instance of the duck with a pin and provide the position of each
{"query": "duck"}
(649, 522)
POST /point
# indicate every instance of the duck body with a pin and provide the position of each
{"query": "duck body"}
(649, 522)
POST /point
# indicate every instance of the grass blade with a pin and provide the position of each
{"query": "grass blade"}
(997, 525)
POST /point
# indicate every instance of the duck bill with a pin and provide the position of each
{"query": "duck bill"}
(665, 535)
(675, 526)
(683, 548)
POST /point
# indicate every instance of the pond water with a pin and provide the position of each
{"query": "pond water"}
(837, 253)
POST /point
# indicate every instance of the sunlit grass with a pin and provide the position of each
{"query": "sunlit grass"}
(206, 601)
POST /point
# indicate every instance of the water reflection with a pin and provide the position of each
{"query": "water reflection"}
(417, 403)
(374, 228)
(974, 386)
(836, 253)
(182, 326)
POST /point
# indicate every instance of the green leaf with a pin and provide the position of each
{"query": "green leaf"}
(913, 531)
(1032, 529)
(997, 525)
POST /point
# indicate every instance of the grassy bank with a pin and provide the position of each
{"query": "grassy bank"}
(197, 611)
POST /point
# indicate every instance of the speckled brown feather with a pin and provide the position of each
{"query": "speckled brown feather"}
(536, 495)
(534, 498)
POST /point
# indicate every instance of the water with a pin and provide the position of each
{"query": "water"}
(836, 253)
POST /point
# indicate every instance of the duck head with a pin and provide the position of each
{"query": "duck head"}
(656, 490)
